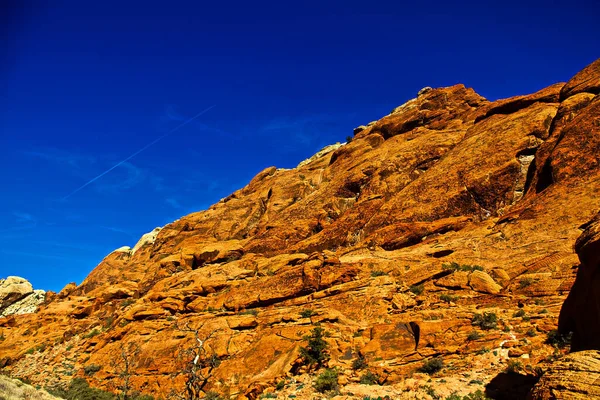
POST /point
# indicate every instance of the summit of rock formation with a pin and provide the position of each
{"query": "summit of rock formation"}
(446, 230)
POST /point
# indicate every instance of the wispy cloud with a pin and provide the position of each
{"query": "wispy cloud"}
(77, 161)
(38, 255)
(172, 114)
(173, 202)
(24, 218)
(118, 230)
(21, 221)
(130, 177)
(305, 131)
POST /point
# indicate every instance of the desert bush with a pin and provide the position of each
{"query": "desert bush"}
(558, 340)
(327, 381)
(523, 283)
(417, 289)
(514, 366)
(432, 366)
(369, 378)
(487, 320)
(454, 266)
(519, 313)
(474, 335)
(212, 395)
(307, 313)
(448, 297)
(359, 362)
(91, 369)
(378, 273)
(315, 353)
(478, 395)
(94, 332)
(79, 389)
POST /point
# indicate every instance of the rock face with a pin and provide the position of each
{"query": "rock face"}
(580, 313)
(444, 229)
(577, 376)
(18, 297)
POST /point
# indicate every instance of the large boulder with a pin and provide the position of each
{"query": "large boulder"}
(13, 289)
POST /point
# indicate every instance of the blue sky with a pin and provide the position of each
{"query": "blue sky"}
(83, 85)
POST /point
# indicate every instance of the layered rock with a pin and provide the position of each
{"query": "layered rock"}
(443, 213)
(577, 376)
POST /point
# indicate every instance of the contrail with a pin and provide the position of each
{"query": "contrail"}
(137, 152)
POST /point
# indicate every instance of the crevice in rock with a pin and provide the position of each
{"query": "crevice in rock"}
(545, 177)
(440, 253)
(526, 158)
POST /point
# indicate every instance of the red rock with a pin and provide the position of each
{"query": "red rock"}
(587, 80)
(357, 236)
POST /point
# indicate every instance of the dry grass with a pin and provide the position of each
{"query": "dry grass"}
(13, 389)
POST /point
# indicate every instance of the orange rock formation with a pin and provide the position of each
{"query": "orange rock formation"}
(364, 235)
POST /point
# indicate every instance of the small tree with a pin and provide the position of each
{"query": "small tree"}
(125, 364)
(199, 362)
(314, 354)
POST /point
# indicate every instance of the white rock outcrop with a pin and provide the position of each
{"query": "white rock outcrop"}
(18, 297)
(147, 238)
(321, 153)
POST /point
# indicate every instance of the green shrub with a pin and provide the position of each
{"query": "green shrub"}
(315, 352)
(79, 389)
(558, 340)
(91, 369)
(531, 332)
(487, 320)
(431, 392)
(327, 381)
(474, 335)
(417, 289)
(523, 283)
(94, 332)
(369, 378)
(432, 366)
(454, 396)
(280, 385)
(378, 273)
(519, 313)
(250, 312)
(212, 395)
(307, 313)
(514, 366)
(448, 298)
(454, 266)
(127, 302)
(268, 396)
(478, 395)
(359, 362)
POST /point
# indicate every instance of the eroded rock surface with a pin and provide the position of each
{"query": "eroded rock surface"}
(448, 210)
(577, 376)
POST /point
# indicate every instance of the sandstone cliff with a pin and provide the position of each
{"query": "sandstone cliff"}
(402, 244)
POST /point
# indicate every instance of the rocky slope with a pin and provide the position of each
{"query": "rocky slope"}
(401, 244)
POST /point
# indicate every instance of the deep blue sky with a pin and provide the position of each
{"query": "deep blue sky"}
(83, 85)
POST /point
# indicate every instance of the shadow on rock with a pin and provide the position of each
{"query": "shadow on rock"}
(506, 386)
